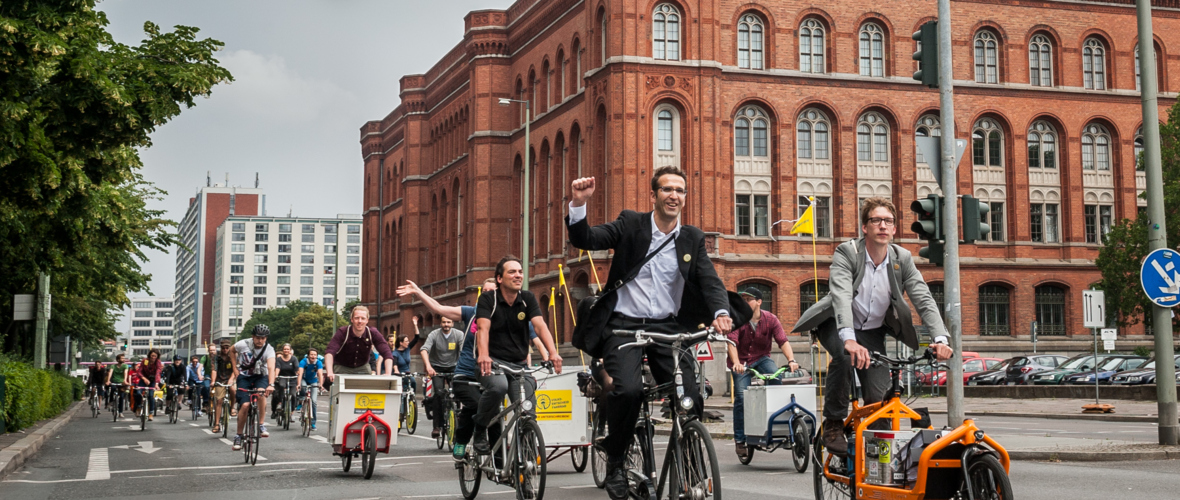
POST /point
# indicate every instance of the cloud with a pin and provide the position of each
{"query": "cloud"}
(266, 90)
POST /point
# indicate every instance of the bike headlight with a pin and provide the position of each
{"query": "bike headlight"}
(527, 405)
(686, 402)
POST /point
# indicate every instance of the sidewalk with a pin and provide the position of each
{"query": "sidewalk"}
(18, 447)
(1026, 447)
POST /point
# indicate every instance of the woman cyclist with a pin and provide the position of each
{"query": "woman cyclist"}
(149, 372)
(288, 366)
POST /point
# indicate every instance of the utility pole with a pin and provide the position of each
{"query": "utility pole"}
(41, 341)
(1157, 236)
(950, 216)
(524, 233)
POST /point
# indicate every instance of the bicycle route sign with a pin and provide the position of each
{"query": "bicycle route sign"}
(1160, 277)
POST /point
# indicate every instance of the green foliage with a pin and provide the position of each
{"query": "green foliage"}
(313, 328)
(278, 319)
(1126, 245)
(1142, 350)
(75, 109)
(33, 394)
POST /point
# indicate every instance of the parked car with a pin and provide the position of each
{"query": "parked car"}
(1022, 367)
(970, 367)
(1106, 371)
(994, 376)
(932, 374)
(1143, 375)
(1078, 363)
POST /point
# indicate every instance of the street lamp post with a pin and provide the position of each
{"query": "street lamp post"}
(524, 244)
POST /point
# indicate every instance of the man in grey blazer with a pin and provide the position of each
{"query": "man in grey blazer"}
(865, 303)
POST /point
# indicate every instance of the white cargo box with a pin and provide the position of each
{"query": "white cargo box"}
(764, 401)
(562, 410)
(353, 395)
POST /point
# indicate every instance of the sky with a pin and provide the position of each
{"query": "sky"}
(307, 75)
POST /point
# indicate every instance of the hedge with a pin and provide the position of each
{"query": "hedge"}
(33, 394)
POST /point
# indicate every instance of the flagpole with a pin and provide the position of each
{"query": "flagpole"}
(595, 271)
(573, 315)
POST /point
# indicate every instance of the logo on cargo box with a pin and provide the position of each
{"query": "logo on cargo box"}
(369, 402)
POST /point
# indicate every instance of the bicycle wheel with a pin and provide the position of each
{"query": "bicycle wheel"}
(369, 453)
(579, 457)
(695, 472)
(118, 408)
(450, 430)
(441, 440)
(988, 479)
(598, 465)
(530, 461)
(801, 449)
(411, 415)
(225, 406)
(469, 478)
(346, 461)
(305, 418)
(174, 406)
(143, 413)
(827, 489)
(247, 440)
(287, 405)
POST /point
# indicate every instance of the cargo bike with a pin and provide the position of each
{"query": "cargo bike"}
(357, 411)
(779, 416)
(917, 464)
(563, 414)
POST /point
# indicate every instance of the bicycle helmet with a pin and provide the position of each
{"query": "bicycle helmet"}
(261, 331)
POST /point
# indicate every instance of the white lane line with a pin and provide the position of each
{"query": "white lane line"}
(428, 496)
(578, 487)
(420, 437)
(207, 431)
(99, 467)
(399, 465)
(444, 461)
(321, 439)
(194, 425)
(142, 477)
(284, 470)
(226, 441)
(216, 473)
(54, 481)
(500, 492)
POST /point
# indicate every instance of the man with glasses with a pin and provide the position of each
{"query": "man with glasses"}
(867, 278)
(675, 291)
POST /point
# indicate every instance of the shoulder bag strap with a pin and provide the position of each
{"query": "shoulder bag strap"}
(635, 270)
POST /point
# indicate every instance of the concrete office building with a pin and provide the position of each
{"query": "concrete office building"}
(267, 262)
(151, 327)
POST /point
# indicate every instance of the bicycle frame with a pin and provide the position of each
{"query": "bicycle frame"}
(510, 430)
(894, 410)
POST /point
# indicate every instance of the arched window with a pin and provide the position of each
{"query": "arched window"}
(602, 39)
(752, 172)
(665, 40)
(986, 58)
(987, 153)
(814, 167)
(1139, 160)
(987, 144)
(808, 295)
(1050, 305)
(1095, 148)
(872, 139)
(750, 42)
(667, 135)
(993, 310)
(1040, 61)
(872, 50)
(1042, 146)
(928, 126)
(1094, 64)
(811, 47)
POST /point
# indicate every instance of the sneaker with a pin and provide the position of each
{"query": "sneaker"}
(833, 437)
(262, 431)
(237, 442)
(150, 417)
(313, 427)
(459, 453)
(741, 449)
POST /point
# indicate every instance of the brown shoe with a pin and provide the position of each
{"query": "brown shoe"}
(833, 437)
(741, 449)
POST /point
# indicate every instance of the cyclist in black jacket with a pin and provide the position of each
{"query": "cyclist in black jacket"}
(174, 376)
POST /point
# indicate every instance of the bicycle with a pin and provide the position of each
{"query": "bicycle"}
(952, 463)
(144, 404)
(520, 449)
(197, 401)
(118, 400)
(226, 405)
(690, 468)
(283, 413)
(93, 400)
(800, 423)
(173, 402)
(446, 437)
(409, 405)
(251, 440)
(306, 412)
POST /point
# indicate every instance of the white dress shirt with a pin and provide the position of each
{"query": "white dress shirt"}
(872, 300)
(656, 291)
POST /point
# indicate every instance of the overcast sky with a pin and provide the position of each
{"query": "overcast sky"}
(307, 75)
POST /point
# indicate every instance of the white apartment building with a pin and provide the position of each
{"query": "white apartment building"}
(267, 262)
(151, 327)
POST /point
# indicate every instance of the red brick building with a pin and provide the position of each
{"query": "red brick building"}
(764, 104)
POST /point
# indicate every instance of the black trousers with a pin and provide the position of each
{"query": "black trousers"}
(625, 366)
(440, 388)
(874, 381)
(466, 398)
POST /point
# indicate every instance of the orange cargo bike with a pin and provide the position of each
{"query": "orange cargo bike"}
(916, 464)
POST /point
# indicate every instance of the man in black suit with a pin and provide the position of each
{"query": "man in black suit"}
(677, 290)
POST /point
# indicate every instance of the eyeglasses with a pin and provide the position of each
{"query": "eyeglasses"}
(873, 221)
(670, 190)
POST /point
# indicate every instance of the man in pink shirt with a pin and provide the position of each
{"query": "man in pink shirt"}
(753, 351)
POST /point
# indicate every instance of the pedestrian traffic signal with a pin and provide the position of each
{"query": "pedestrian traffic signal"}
(929, 227)
(927, 54)
(975, 226)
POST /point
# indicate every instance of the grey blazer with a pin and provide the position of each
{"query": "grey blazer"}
(848, 265)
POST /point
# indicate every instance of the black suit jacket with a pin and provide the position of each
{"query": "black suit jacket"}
(630, 237)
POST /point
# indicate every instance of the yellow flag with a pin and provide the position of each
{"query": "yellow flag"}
(552, 293)
(806, 222)
(560, 276)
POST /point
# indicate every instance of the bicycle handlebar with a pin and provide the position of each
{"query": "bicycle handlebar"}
(883, 360)
(644, 337)
(774, 375)
(545, 365)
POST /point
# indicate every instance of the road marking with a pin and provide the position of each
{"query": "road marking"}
(399, 465)
(284, 470)
(141, 477)
(500, 492)
(209, 432)
(99, 467)
(578, 487)
(321, 439)
(218, 473)
(30, 481)
(420, 437)
(194, 425)
(428, 496)
(226, 441)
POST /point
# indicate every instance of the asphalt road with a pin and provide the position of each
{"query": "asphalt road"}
(190, 463)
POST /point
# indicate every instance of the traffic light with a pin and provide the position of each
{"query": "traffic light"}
(975, 226)
(927, 54)
(929, 227)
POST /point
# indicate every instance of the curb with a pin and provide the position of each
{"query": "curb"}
(15, 456)
(1056, 416)
(1092, 456)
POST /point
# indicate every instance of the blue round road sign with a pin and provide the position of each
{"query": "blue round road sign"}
(1160, 277)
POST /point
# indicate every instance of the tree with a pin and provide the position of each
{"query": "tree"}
(278, 319)
(1125, 247)
(75, 108)
(313, 328)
